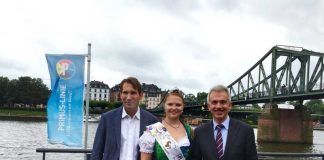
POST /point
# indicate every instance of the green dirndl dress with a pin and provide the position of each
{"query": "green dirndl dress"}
(159, 154)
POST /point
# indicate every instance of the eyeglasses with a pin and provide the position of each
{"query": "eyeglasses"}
(221, 102)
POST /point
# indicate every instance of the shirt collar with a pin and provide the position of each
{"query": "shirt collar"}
(225, 123)
(137, 114)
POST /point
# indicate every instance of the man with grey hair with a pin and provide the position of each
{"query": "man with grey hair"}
(223, 138)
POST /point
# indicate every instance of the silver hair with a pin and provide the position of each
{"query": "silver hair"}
(218, 88)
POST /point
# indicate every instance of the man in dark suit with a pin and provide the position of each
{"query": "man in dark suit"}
(223, 138)
(119, 129)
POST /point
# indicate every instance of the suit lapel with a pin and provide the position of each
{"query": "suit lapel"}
(231, 135)
(117, 120)
(211, 139)
(143, 123)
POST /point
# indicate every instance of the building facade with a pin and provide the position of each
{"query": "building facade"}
(152, 95)
(99, 91)
(114, 93)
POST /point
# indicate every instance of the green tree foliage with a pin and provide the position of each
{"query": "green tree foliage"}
(315, 106)
(25, 90)
(99, 107)
(190, 97)
(252, 119)
(99, 104)
(116, 104)
(202, 97)
(4, 86)
(12, 92)
(256, 106)
(142, 105)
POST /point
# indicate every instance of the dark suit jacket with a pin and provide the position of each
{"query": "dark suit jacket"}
(107, 145)
(240, 143)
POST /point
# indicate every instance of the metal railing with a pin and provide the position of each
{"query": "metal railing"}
(63, 150)
(261, 155)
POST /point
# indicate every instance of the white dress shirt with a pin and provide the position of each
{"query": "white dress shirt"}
(130, 128)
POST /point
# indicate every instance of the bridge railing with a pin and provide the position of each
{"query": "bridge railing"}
(261, 155)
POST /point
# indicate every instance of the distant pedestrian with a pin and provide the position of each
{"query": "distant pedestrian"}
(223, 138)
(283, 89)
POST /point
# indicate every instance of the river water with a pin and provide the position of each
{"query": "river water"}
(19, 140)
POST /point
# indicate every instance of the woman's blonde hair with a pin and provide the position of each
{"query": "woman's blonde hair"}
(174, 92)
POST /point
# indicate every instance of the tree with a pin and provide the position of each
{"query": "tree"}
(190, 97)
(32, 91)
(101, 104)
(315, 106)
(116, 104)
(25, 90)
(256, 106)
(12, 92)
(142, 105)
(40, 91)
(4, 86)
(202, 97)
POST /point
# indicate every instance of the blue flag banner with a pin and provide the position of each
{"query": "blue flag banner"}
(65, 105)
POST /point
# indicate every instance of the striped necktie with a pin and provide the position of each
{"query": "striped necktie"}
(219, 142)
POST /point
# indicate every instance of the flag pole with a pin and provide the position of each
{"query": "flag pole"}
(87, 97)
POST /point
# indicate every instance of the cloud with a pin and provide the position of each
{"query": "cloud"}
(8, 65)
(189, 44)
(124, 56)
(303, 19)
(179, 8)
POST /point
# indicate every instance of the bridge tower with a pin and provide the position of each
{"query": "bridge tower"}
(285, 125)
(294, 73)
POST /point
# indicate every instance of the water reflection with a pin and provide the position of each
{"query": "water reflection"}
(317, 147)
(286, 147)
(19, 140)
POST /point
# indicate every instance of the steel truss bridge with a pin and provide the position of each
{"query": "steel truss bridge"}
(284, 73)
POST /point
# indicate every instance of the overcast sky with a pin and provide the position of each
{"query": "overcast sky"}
(188, 44)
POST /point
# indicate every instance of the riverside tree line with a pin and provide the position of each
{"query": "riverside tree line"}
(24, 91)
(30, 92)
(27, 91)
